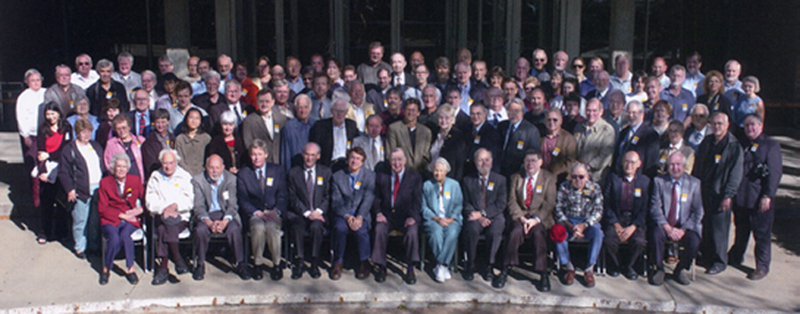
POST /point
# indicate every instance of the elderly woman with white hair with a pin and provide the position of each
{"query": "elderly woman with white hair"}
(449, 142)
(229, 145)
(442, 204)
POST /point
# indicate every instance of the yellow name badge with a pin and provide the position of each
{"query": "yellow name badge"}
(277, 128)
(176, 185)
(470, 101)
(319, 180)
(684, 197)
(490, 186)
(109, 95)
(754, 147)
(174, 104)
(72, 104)
(477, 139)
(269, 181)
(244, 112)
(716, 107)
(586, 192)
(348, 144)
(538, 189)
(637, 192)
(556, 151)
(663, 159)
(358, 185)
(383, 148)
(225, 195)
(685, 107)
(635, 140)
(717, 158)
(447, 195)
(520, 145)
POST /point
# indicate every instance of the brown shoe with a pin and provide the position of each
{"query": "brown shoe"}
(363, 270)
(569, 277)
(757, 275)
(589, 278)
(336, 272)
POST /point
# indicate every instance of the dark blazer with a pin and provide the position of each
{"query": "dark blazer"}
(645, 142)
(150, 127)
(537, 120)
(322, 134)
(454, 150)
(102, 134)
(298, 195)
(527, 135)
(543, 204)
(216, 111)
(409, 197)
(496, 195)
(375, 97)
(717, 103)
(249, 190)
(254, 128)
(98, 96)
(691, 216)
(150, 150)
(612, 196)
(346, 200)
(476, 91)
(204, 101)
(219, 147)
(73, 174)
(762, 151)
(226, 196)
(487, 138)
(720, 177)
(411, 81)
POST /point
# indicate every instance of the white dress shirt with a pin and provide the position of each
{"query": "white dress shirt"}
(339, 142)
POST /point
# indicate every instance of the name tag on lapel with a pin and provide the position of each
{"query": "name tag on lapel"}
(556, 151)
(490, 186)
(477, 139)
(358, 185)
(319, 180)
(635, 140)
(538, 189)
(348, 144)
(447, 195)
(225, 195)
(277, 128)
(637, 192)
(717, 158)
(684, 197)
(269, 181)
(754, 147)
(520, 145)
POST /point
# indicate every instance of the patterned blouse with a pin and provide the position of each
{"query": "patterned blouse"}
(587, 202)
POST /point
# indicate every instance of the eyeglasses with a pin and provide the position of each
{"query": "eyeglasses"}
(578, 177)
(539, 60)
(578, 66)
(84, 63)
(699, 116)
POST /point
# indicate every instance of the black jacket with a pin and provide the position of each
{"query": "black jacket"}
(719, 168)
(73, 173)
(612, 196)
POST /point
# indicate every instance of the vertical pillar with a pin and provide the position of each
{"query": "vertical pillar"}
(623, 15)
(280, 38)
(293, 16)
(225, 17)
(498, 22)
(570, 27)
(513, 32)
(463, 18)
(339, 20)
(176, 24)
(449, 30)
(396, 26)
(479, 48)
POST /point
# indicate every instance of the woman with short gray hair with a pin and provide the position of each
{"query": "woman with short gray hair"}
(442, 204)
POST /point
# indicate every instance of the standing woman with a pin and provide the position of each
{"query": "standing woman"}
(713, 89)
(105, 131)
(53, 135)
(28, 122)
(449, 143)
(334, 72)
(191, 143)
(80, 176)
(120, 205)
(229, 145)
(442, 204)
(127, 143)
(158, 140)
(749, 102)
(264, 77)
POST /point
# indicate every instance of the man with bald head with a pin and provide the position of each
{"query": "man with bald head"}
(539, 61)
(522, 68)
(334, 136)
(733, 86)
(659, 70)
(295, 133)
(224, 66)
(681, 99)
(615, 115)
(595, 138)
(640, 137)
(401, 77)
(358, 110)
(63, 92)
(216, 211)
(621, 79)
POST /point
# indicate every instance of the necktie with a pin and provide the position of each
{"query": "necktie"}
(396, 187)
(511, 129)
(497, 117)
(672, 216)
(483, 193)
(529, 193)
(375, 158)
(310, 188)
(238, 115)
(142, 124)
(261, 181)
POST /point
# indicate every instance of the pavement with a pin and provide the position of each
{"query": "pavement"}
(50, 279)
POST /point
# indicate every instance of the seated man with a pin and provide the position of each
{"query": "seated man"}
(579, 208)
(170, 199)
(309, 191)
(261, 192)
(674, 219)
(530, 208)
(485, 200)
(352, 194)
(626, 200)
(398, 199)
(216, 211)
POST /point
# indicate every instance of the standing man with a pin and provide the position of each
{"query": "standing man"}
(400, 77)
(398, 199)
(295, 133)
(659, 69)
(309, 190)
(733, 86)
(104, 89)
(125, 76)
(84, 76)
(718, 165)
(373, 144)
(559, 147)
(359, 110)
(753, 210)
(496, 104)
(694, 78)
(261, 190)
(142, 117)
(595, 138)
(539, 61)
(63, 92)
(412, 137)
(621, 79)
(519, 136)
(638, 136)
(266, 125)
(681, 99)
(335, 136)
(483, 135)
(470, 93)
(368, 71)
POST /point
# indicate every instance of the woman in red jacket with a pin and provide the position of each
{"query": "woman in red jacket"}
(120, 205)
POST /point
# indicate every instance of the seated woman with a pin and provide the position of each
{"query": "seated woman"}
(228, 145)
(676, 143)
(120, 205)
(442, 204)
(191, 143)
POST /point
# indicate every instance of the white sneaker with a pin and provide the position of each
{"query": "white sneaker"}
(439, 273)
(446, 272)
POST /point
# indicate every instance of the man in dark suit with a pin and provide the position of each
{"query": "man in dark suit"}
(602, 88)
(676, 212)
(216, 211)
(626, 198)
(398, 198)
(142, 118)
(266, 125)
(401, 77)
(309, 187)
(763, 167)
(233, 95)
(470, 93)
(352, 193)
(531, 202)
(261, 190)
(640, 137)
(482, 135)
(453, 96)
(485, 199)
(718, 165)
(518, 135)
(334, 136)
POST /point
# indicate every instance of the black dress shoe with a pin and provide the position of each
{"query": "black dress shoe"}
(104, 278)
(160, 277)
(257, 273)
(716, 269)
(613, 273)
(276, 273)
(380, 275)
(469, 274)
(132, 278)
(411, 278)
(199, 273)
(657, 279)
(757, 275)
(80, 255)
(314, 272)
(500, 281)
(544, 283)
(181, 269)
(488, 274)
(631, 274)
(243, 271)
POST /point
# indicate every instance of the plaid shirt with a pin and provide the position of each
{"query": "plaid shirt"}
(579, 203)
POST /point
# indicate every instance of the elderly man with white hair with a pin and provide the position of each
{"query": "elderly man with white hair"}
(125, 76)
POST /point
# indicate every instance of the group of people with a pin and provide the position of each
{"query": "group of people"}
(548, 157)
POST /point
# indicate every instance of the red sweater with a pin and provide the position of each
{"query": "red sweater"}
(111, 204)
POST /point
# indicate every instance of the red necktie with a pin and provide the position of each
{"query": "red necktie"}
(142, 124)
(672, 218)
(529, 193)
(396, 187)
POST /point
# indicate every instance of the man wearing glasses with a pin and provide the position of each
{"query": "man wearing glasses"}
(84, 76)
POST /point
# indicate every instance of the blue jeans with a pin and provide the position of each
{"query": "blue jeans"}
(593, 233)
(80, 214)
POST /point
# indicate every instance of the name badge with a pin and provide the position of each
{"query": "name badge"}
(470, 101)
(754, 147)
(319, 180)
(490, 187)
(269, 181)
(72, 104)
(358, 185)
(586, 192)
(225, 195)
(244, 112)
(684, 197)
(538, 189)
(663, 159)
(556, 151)
(382, 149)
(348, 144)
(477, 139)
(685, 107)
(520, 144)
(91, 149)
(716, 107)
(176, 185)
(447, 195)
(717, 158)
(637, 192)
(277, 128)
(635, 140)
(109, 95)
(66, 137)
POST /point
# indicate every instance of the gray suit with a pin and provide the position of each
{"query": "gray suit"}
(689, 219)
(365, 142)
(349, 200)
(418, 156)
(226, 196)
(253, 128)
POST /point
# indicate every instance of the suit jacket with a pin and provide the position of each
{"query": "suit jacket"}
(375, 97)
(645, 141)
(150, 150)
(216, 112)
(347, 200)
(525, 137)
(253, 128)
(691, 215)
(226, 196)
(322, 134)
(487, 138)
(298, 194)
(364, 141)
(476, 91)
(544, 198)
(239, 153)
(496, 195)
(596, 148)
(409, 197)
(420, 156)
(719, 168)
(150, 124)
(453, 200)
(454, 150)
(369, 109)
(411, 81)
(567, 152)
(250, 197)
(74, 173)
(612, 196)
(761, 151)
(596, 94)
